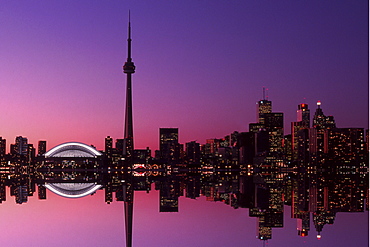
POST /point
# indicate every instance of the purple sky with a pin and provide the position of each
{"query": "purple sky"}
(199, 67)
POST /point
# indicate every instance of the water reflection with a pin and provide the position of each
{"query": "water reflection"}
(315, 196)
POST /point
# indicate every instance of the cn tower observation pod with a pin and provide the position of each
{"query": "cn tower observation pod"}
(67, 154)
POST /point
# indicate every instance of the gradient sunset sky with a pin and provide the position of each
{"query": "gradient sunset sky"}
(200, 66)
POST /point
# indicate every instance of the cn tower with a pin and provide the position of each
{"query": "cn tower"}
(129, 69)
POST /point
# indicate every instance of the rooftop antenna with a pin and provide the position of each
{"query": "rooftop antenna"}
(267, 93)
(263, 88)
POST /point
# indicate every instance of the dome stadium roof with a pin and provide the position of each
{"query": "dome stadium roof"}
(73, 149)
(73, 190)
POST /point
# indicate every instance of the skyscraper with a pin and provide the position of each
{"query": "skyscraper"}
(169, 144)
(303, 115)
(41, 148)
(263, 106)
(274, 123)
(319, 117)
(108, 146)
(2, 147)
(129, 69)
(21, 145)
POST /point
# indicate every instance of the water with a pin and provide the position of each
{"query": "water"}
(208, 209)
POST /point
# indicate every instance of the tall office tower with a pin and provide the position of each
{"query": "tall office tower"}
(274, 123)
(303, 121)
(2, 147)
(108, 146)
(320, 121)
(319, 117)
(41, 148)
(129, 69)
(21, 145)
(263, 106)
(168, 144)
(303, 115)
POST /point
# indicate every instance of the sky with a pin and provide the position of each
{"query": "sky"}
(200, 66)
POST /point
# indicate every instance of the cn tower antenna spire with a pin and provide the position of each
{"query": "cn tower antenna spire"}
(129, 59)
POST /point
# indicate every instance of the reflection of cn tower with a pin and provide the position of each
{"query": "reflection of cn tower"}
(128, 149)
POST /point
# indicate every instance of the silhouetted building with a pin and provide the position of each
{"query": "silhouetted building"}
(119, 145)
(41, 148)
(303, 115)
(169, 144)
(274, 123)
(347, 145)
(108, 149)
(263, 106)
(2, 148)
(41, 192)
(21, 145)
(31, 152)
(192, 152)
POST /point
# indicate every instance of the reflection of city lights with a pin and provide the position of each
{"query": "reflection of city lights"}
(318, 236)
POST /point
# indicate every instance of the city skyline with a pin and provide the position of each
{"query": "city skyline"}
(201, 69)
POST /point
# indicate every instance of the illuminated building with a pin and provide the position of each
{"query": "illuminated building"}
(263, 106)
(142, 155)
(21, 145)
(303, 115)
(21, 194)
(2, 147)
(169, 144)
(41, 148)
(320, 121)
(274, 123)
(108, 146)
(41, 190)
(347, 145)
(303, 122)
(31, 152)
(192, 152)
